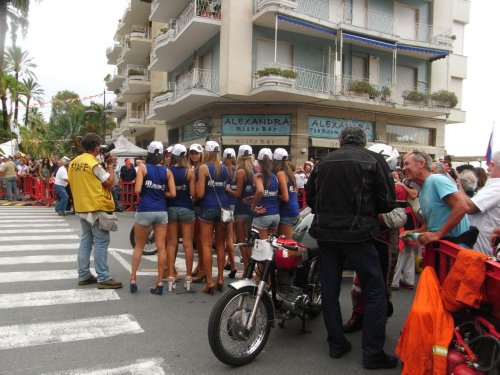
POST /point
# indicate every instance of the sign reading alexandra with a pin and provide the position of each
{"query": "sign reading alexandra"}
(198, 129)
(330, 127)
(256, 124)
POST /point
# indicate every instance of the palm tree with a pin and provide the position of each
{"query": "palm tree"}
(18, 62)
(7, 83)
(30, 89)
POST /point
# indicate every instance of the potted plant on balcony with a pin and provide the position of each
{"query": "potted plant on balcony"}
(415, 97)
(385, 92)
(275, 76)
(363, 89)
(163, 95)
(135, 74)
(444, 98)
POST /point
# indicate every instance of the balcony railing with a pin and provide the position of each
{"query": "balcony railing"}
(196, 79)
(138, 72)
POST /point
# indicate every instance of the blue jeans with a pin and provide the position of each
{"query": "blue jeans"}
(11, 187)
(365, 259)
(63, 197)
(92, 235)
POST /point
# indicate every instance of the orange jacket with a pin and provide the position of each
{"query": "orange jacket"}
(428, 330)
(464, 284)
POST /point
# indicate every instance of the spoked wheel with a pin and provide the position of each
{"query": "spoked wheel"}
(150, 247)
(231, 343)
(314, 281)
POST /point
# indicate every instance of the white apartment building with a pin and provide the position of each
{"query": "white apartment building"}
(289, 73)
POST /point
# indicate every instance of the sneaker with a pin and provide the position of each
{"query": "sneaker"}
(337, 353)
(109, 284)
(394, 287)
(91, 280)
(354, 324)
(406, 286)
(385, 361)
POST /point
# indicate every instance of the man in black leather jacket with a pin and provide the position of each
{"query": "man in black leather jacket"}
(347, 191)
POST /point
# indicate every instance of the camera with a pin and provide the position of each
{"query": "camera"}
(105, 150)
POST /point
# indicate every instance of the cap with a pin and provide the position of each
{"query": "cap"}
(155, 147)
(169, 149)
(179, 150)
(265, 151)
(245, 150)
(229, 153)
(65, 158)
(195, 147)
(280, 154)
(212, 146)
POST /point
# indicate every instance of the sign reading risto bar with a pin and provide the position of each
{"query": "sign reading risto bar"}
(330, 127)
(256, 124)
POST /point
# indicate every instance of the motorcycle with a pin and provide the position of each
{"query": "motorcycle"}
(150, 247)
(282, 282)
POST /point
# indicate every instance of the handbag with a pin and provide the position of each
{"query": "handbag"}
(226, 216)
(108, 222)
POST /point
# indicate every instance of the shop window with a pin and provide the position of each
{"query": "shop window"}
(173, 136)
(410, 135)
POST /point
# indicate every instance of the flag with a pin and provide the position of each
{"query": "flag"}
(489, 150)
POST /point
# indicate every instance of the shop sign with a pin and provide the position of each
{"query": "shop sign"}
(331, 127)
(256, 141)
(198, 129)
(256, 124)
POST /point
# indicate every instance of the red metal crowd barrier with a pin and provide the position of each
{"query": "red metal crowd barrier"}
(441, 255)
(126, 196)
(39, 190)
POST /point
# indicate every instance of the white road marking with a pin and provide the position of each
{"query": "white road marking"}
(35, 229)
(14, 277)
(38, 238)
(38, 259)
(38, 246)
(56, 297)
(43, 216)
(31, 220)
(41, 224)
(150, 366)
(18, 336)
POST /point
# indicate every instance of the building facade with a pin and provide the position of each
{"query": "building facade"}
(289, 73)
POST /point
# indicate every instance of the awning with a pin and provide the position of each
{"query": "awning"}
(372, 42)
(307, 25)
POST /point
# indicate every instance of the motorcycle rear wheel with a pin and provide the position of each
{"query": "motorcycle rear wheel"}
(150, 247)
(314, 280)
(226, 335)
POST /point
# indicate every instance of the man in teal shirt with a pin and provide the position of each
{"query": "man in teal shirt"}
(443, 207)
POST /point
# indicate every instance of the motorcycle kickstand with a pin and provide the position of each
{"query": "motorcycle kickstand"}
(303, 329)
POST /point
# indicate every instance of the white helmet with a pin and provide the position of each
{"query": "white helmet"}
(391, 155)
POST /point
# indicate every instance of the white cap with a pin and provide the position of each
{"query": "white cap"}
(265, 151)
(196, 147)
(155, 147)
(212, 146)
(169, 149)
(65, 158)
(229, 153)
(179, 150)
(280, 154)
(245, 150)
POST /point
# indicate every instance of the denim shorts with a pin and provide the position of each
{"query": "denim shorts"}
(147, 219)
(210, 215)
(244, 217)
(266, 222)
(181, 214)
(197, 211)
(290, 220)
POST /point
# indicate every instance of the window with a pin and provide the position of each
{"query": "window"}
(265, 53)
(458, 43)
(410, 135)
(359, 67)
(173, 136)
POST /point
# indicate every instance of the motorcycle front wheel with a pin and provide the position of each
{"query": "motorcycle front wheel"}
(314, 280)
(231, 343)
(150, 247)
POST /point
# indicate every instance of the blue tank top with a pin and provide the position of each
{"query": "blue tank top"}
(231, 184)
(182, 197)
(241, 208)
(209, 200)
(290, 208)
(153, 189)
(270, 199)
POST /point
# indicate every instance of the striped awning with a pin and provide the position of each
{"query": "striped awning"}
(307, 25)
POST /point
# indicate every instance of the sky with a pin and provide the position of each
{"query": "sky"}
(67, 39)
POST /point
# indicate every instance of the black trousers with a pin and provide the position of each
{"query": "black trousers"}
(364, 258)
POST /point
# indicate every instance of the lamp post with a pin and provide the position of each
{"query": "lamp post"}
(105, 111)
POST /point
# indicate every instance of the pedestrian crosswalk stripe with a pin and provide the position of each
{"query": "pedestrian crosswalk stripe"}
(39, 247)
(43, 224)
(28, 209)
(56, 297)
(38, 238)
(14, 277)
(31, 216)
(151, 366)
(24, 221)
(37, 259)
(35, 229)
(18, 336)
